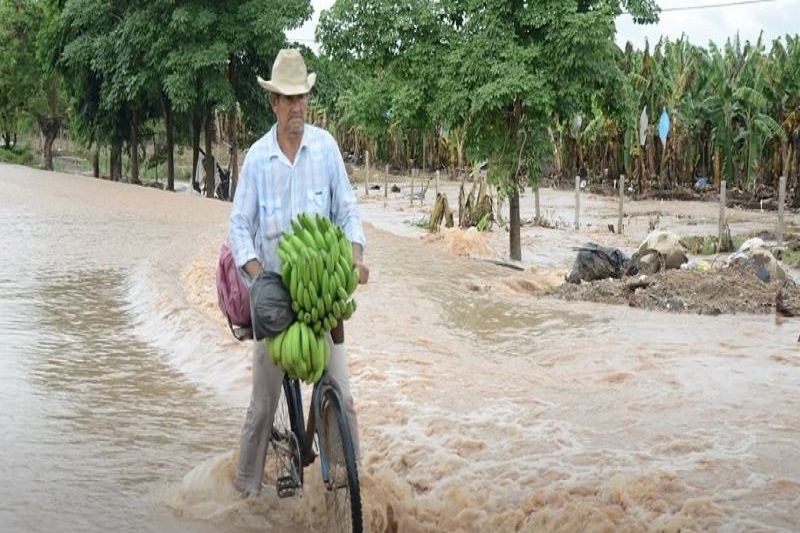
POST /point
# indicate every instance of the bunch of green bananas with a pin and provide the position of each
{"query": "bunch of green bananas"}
(300, 352)
(318, 270)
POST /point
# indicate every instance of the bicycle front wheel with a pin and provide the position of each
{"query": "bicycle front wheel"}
(343, 494)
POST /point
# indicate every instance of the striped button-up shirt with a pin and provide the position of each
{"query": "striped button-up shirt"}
(272, 191)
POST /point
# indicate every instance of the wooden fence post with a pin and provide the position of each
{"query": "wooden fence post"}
(386, 186)
(413, 175)
(722, 190)
(621, 200)
(366, 172)
(577, 202)
(781, 202)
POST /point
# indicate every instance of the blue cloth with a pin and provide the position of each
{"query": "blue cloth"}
(663, 126)
(272, 191)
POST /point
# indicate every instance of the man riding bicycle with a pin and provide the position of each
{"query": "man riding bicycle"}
(294, 168)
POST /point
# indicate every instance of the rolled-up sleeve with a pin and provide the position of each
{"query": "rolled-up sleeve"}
(344, 207)
(243, 221)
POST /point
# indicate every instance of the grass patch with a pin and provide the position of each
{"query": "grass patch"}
(18, 155)
(791, 258)
(422, 222)
(707, 245)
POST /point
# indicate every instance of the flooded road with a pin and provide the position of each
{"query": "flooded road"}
(481, 406)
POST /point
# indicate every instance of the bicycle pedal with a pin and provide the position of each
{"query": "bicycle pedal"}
(286, 486)
(310, 458)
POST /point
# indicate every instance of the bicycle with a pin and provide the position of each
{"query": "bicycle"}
(293, 446)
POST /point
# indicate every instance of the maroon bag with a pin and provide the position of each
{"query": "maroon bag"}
(232, 294)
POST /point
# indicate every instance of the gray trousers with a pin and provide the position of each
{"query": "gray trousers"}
(267, 386)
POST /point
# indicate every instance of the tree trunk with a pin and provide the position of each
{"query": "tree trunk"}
(232, 139)
(50, 125)
(513, 234)
(793, 167)
(135, 149)
(197, 127)
(209, 155)
(96, 161)
(717, 168)
(50, 128)
(233, 122)
(115, 161)
(47, 153)
(171, 146)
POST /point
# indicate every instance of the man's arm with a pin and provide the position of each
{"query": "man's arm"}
(344, 208)
(242, 227)
(358, 261)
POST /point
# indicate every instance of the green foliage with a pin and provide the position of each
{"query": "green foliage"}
(18, 155)
(28, 84)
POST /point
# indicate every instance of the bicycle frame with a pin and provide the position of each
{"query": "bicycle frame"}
(323, 387)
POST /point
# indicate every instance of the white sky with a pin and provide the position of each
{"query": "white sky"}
(774, 17)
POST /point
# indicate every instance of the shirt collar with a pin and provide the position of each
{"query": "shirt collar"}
(274, 149)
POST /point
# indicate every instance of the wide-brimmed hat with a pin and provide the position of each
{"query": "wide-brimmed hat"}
(289, 75)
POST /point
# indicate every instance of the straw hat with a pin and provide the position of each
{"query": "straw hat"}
(289, 75)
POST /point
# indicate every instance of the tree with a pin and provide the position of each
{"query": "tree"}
(29, 84)
(216, 50)
(500, 71)
(517, 65)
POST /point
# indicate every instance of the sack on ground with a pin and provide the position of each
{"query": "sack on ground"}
(232, 294)
(668, 244)
(596, 262)
(753, 256)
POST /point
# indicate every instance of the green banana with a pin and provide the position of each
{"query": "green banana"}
(319, 355)
(273, 352)
(297, 229)
(320, 267)
(342, 293)
(312, 292)
(350, 308)
(328, 300)
(325, 283)
(352, 282)
(307, 223)
(341, 277)
(287, 347)
(294, 282)
(304, 344)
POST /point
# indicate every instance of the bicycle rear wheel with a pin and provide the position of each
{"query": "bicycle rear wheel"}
(286, 441)
(343, 494)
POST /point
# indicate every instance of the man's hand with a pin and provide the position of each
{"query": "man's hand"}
(253, 269)
(363, 272)
(358, 262)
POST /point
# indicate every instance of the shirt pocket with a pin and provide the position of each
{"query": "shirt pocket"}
(271, 220)
(317, 201)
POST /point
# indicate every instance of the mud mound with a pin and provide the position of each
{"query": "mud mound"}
(536, 281)
(469, 243)
(684, 291)
(200, 286)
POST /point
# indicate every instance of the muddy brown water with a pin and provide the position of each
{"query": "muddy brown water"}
(481, 407)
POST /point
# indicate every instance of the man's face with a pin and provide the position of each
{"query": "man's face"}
(290, 111)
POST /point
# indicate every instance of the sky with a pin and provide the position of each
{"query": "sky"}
(700, 24)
